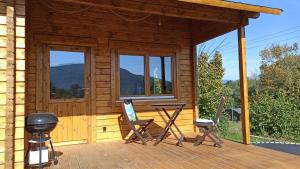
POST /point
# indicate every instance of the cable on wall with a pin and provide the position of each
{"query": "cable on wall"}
(51, 7)
(130, 19)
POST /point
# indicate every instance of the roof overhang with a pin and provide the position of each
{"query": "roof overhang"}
(236, 6)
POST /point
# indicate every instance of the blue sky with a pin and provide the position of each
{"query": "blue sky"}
(260, 33)
(58, 58)
(135, 65)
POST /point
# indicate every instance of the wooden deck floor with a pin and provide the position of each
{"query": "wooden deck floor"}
(117, 155)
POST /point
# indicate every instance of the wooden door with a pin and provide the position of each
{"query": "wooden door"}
(67, 92)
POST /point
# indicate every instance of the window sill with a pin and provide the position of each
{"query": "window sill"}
(148, 98)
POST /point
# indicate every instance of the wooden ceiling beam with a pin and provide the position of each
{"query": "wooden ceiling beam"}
(197, 12)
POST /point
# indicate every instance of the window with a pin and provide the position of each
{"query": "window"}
(160, 75)
(132, 75)
(145, 76)
(66, 74)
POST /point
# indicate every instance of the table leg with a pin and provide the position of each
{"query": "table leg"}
(170, 125)
(182, 137)
(163, 134)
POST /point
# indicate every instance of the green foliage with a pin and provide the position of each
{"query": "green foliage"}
(234, 133)
(223, 125)
(277, 118)
(274, 94)
(235, 92)
(281, 75)
(277, 52)
(275, 107)
(210, 86)
(235, 88)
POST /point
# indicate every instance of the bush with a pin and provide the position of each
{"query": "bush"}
(223, 125)
(275, 117)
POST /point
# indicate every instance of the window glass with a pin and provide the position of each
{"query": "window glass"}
(160, 75)
(132, 75)
(66, 74)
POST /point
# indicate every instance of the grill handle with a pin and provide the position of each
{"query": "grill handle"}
(41, 127)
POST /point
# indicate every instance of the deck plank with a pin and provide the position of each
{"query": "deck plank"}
(116, 154)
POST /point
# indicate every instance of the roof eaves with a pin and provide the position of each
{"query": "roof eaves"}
(237, 5)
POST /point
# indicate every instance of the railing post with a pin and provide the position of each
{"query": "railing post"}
(243, 85)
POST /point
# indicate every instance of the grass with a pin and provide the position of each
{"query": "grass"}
(234, 133)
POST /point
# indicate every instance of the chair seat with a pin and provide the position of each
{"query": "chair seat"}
(204, 122)
(142, 122)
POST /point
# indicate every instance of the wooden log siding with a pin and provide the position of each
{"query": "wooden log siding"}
(12, 91)
(3, 79)
(101, 25)
(10, 85)
(20, 84)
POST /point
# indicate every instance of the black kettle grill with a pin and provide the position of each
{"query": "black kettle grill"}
(39, 125)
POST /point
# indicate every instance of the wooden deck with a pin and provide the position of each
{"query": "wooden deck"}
(116, 154)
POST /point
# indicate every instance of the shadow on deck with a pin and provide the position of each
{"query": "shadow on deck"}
(116, 154)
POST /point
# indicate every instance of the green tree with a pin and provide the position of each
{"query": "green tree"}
(280, 71)
(235, 88)
(210, 85)
(275, 107)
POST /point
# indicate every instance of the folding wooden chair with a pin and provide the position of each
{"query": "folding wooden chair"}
(133, 121)
(207, 127)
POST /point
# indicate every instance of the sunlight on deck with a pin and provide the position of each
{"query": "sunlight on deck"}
(116, 154)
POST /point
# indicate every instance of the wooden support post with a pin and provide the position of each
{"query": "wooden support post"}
(243, 85)
(10, 86)
(195, 77)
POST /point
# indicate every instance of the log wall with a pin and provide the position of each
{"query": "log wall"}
(109, 32)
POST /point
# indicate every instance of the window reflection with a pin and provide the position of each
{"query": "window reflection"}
(66, 74)
(160, 75)
(132, 75)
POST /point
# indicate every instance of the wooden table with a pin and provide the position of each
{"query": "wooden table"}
(163, 107)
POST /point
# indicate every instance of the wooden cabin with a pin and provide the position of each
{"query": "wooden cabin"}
(158, 37)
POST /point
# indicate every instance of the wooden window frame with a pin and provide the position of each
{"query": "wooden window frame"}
(146, 55)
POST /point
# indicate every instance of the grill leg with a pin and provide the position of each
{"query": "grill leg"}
(27, 153)
(40, 152)
(53, 153)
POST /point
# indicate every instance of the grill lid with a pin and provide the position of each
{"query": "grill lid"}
(41, 118)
